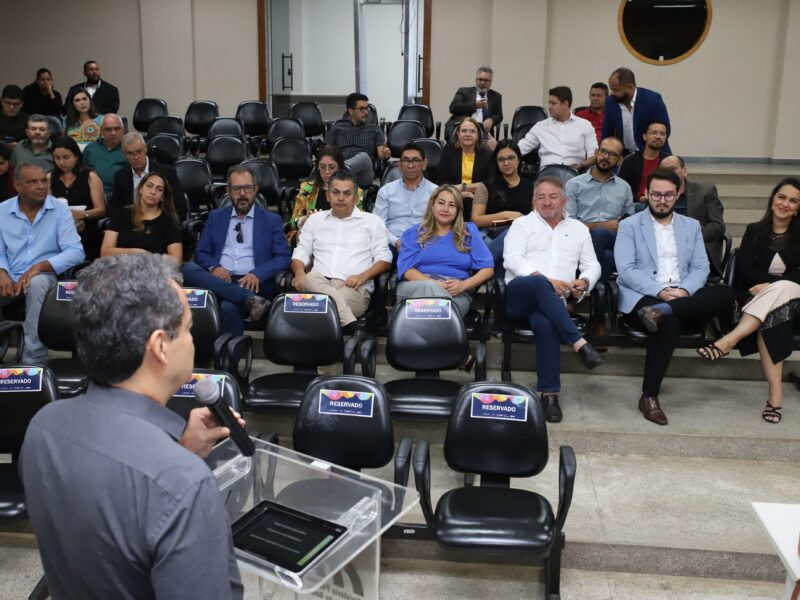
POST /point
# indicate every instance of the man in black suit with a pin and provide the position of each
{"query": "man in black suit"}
(479, 101)
(104, 95)
(126, 180)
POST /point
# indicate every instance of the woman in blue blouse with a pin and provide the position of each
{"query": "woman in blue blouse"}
(444, 256)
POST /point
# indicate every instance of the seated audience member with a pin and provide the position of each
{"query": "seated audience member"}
(126, 180)
(83, 191)
(767, 287)
(349, 249)
(150, 224)
(241, 250)
(82, 123)
(508, 197)
(36, 148)
(360, 141)
(563, 138)
(596, 109)
(12, 120)
(402, 203)
(599, 199)
(662, 267)
(443, 256)
(480, 102)
(636, 167)
(543, 250)
(465, 162)
(7, 189)
(41, 98)
(105, 96)
(105, 155)
(700, 201)
(313, 194)
(625, 122)
(39, 241)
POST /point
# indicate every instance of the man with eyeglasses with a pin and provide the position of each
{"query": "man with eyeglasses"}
(401, 204)
(241, 250)
(126, 180)
(599, 199)
(637, 166)
(480, 102)
(12, 120)
(105, 155)
(662, 269)
(360, 141)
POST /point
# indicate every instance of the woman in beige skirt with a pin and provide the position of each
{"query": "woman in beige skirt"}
(768, 285)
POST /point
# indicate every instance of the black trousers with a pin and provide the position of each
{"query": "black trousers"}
(706, 303)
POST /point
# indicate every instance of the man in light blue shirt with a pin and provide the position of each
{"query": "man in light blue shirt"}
(599, 199)
(38, 240)
(402, 203)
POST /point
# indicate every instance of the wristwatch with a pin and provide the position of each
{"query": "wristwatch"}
(463, 187)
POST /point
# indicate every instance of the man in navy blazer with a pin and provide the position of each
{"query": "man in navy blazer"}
(241, 249)
(630, 109)
(662, 268)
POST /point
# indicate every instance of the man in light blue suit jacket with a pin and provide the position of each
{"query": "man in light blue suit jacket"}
(643, 105)
(241, 250)
(662, 269)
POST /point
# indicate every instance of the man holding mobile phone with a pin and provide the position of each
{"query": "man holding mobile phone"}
(480, 102)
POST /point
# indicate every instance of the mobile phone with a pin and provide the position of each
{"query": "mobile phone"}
(285, 537)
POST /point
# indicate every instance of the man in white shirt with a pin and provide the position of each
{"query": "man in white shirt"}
(662, 269)
(349, 249)
(563, 139)
(542, 252)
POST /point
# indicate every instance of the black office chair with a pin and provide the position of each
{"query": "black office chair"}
(527, 115)
(168, 125)
(148, 109)
(563, 172)
(310, 115)
(402, 132)
(391, 173)
(530, 162)
(494, 518)
(267, 179)
(423, 114)
(210, 343)
(165, 148)
(196, 180)
(226, 127)
(54, 126)
(11, 330)
(254, 115)
(184, 402)
(224, 152)
(433, 154)
(578, 109)
(302, 340)
(284, 127)
(292, 156)
(372, 115)
(199, 116)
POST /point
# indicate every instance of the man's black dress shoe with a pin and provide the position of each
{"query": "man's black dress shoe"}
(650, 317)
(590, 356)
(552, 411)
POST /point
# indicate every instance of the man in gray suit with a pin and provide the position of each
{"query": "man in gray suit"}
(700, 201)
(662, 270)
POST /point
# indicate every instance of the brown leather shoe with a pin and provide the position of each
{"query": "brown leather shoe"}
(650, 408)
(650, 317)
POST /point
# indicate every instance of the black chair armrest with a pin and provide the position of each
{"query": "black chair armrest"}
(438, 130)
(480, 361)
(236, 346)
(391, 288)
(566, 482)
(598, 304)
(6, 328)
(500, 302)
(612, 303)
(221, 351)
(422, 479)
(283, 281)
(368, 357)
(72, 272)
(402, 462)
(350, 355)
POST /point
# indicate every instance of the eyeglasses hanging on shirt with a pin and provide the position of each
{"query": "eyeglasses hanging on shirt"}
(239, 234)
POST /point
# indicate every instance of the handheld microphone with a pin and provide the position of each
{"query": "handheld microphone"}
(207, 392)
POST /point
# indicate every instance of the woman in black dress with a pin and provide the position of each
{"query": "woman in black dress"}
(465, 163)
(150, 224)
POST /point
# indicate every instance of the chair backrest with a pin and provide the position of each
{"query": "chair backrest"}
(284, 127)
(224, 152)
(578, 109)
(418, 112)
(206, 323)
(426, 334)
(254, 115)
(433, 154)
(519, 131)
(171, 125)
(451, 133)
(529, 115)
(165, 148)
(146, 110)
(55, 319)
(497, 429)
(55, 126)
(372, 115)
(345, 420)
(199, 116)
(194, 175)
(293, 157)
(310, 115)
(402, 132)
(226, 200)
(184, 402)
(21, 397)
(225, 127)
(563, 172)
(303, 330)
(391, 173)
(267, 178)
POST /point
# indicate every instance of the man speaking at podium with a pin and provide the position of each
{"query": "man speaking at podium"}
(122, 505)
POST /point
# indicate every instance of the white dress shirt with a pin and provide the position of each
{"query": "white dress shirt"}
(569, 142)
(532, 246)
(669, 273)
(343, 247)
(627, 124)
(478, 114)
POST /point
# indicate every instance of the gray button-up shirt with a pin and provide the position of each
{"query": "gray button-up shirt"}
(591, 200)
(401, 207)
(119, 508)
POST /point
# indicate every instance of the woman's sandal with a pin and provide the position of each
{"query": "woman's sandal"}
(771, 414)
(711, 352)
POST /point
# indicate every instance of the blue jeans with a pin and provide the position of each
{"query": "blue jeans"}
(603, 242)
(533, 298)
(496, 246)
(231, 295)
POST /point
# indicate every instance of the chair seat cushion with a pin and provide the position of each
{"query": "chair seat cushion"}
(71, 378)
(422, 398)
(12, 496)
(279, 390)
(495, 519)
(689, 334)
(520, 330)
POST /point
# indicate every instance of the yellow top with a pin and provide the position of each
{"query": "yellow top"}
(467, 164)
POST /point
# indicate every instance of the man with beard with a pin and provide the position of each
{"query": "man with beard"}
(36, 148)
(104, 95)
(105, 155)
(629, 109)
(599, 199)
(241, 250)
(637, 166)
(662, 269)
(480, 102)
